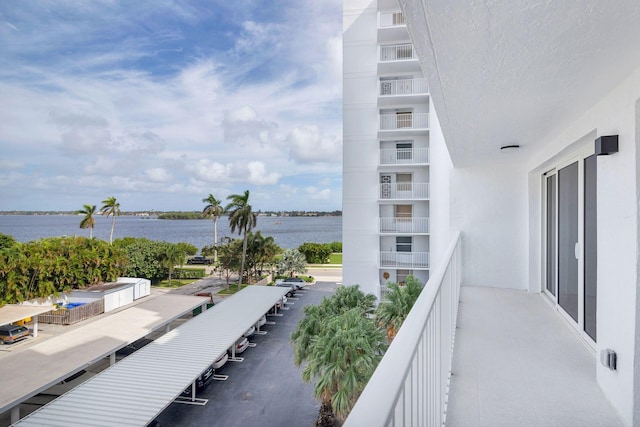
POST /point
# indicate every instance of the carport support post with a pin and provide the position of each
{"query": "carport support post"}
(15, 414)
(112, 359)
(204, 307)
(193, 391)
(35, 326)
(168, 327)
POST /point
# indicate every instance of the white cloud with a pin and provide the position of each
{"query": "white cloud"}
(307, 144)
(258, 174)
(318, 194)
(157, 175)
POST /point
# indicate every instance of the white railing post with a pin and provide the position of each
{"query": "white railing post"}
(411, 383)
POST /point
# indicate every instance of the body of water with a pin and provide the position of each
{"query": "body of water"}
(288, 232)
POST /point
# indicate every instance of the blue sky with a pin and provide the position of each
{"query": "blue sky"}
(160, 103)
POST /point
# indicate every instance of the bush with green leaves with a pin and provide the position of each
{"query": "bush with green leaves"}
(49, 266)
(6, 241)
(189, 273)
(336, 247)
(148, 258)
(292, 261)
(315, 253)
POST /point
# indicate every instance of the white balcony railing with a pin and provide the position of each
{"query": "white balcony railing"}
(391, 19)
(404, 156)
(397, 52)
(404, 190)
(411, 384)
(404, 259)
(403, 87)
(404, 121)
(404, 225)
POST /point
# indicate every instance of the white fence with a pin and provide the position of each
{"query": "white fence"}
(403, 121)
(404, 259)
(403, 156)
(411, 384)
(397, 52)
(404, 191)
(404, 225)
(403, 87)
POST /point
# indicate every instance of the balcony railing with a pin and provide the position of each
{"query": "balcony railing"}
(404, 259)
(404, 121)
(404, 190)
(404, 225)
(411, 383)
(391, 19)
(403, 87)
(404, 156)
(397, 52)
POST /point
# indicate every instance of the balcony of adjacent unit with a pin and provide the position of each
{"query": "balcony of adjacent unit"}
(391, 191)
(404, 225)
(404, 156)
(391, 26)
(399, 57)
(402, 260)
(403, 123)
(395, 90)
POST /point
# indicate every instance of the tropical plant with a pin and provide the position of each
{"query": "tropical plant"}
(316, 253)
(242, 219)
(111, 207)
(261, 251)
(6, 241)
(146, 257)
(213, 210)
(342, 347)
(173, 254)
(399, 301)
(229, 257)
(88, 221)
(291, 262)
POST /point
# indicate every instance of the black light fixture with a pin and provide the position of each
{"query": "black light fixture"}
(606, 145)
(509, 147)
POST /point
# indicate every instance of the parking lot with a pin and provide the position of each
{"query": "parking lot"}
(266, 389)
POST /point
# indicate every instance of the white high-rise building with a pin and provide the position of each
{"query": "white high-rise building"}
(524, 215)
(388, 134)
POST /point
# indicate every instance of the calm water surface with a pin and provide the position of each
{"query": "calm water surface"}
(288, 232)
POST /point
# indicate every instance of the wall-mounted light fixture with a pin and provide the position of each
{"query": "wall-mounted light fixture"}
(606, 145)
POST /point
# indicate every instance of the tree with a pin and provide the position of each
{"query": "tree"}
(243, 219)
(173, 255)
(342, 347)
(111, 207)
(88, 221)
(292, 261)
(229, 255)
(391, 313)
(213, 210)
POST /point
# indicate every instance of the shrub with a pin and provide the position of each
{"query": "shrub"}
(189, 273)
(336, 247)
(315, 253)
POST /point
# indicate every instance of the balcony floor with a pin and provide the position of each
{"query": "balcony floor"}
(516, 363)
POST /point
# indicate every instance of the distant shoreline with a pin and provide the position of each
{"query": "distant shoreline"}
(181, 214)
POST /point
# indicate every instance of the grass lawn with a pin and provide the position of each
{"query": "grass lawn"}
(335, 258)
(175, 283)
(233, 288)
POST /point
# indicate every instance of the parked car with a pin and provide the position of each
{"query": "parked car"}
(260, 323)
(199, 260)
(295, 282)
(250, 332)
(278, 305)
(240, 345)
(292, 289)
(221, 361)
(202, 381)
(12, 333)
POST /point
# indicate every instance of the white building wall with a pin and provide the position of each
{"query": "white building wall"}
(618, 325)
(360, 146)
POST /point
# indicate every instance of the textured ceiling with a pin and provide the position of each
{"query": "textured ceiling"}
(518, 71)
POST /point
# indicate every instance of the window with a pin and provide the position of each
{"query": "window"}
(403, 243)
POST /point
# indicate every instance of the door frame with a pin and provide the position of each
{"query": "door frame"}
(577, 156)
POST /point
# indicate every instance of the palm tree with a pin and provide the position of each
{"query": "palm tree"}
(391, 313)
(342, 346)
(173, 255)
(243, 219)
(88, 221)
(111, 207)
(213, 210)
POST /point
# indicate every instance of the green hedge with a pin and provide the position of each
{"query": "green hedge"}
(315, 253)
(189, 273)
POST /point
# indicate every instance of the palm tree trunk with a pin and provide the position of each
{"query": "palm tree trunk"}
(244, 253)
(113, 224)
(215, 239)
(90, 233)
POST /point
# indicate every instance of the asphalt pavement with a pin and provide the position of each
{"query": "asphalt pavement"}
(266, 389)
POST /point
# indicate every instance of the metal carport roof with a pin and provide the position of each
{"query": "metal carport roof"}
(135, 390)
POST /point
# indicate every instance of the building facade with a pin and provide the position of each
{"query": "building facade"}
(533, 156)
(388, 128)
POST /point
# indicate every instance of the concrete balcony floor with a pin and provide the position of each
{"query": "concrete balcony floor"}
(517, 363)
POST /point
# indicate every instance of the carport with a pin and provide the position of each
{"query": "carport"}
(11, 313)
(135, 390)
